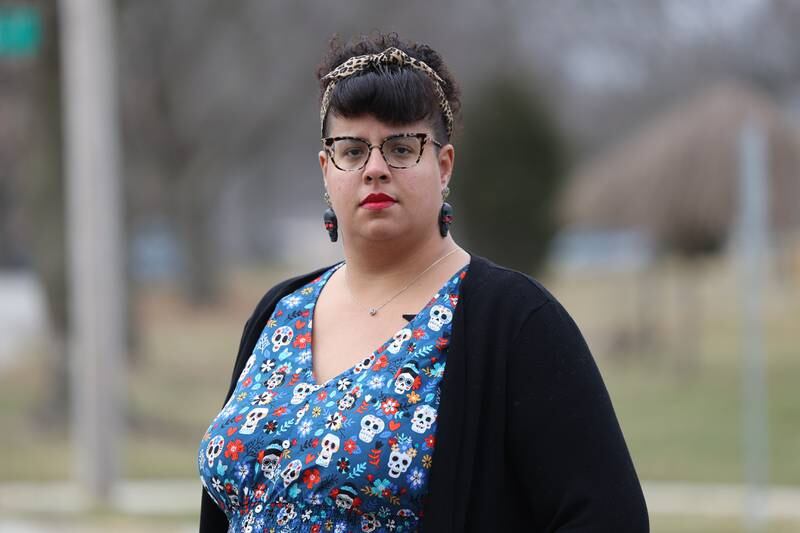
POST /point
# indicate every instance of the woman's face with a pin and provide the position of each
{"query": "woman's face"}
(417, 191)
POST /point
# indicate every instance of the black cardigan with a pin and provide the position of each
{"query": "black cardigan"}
(527, 438)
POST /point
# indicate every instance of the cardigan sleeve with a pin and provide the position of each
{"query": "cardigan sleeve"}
(566, 447)
(212, 518)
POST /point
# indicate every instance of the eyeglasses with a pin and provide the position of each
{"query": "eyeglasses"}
(403, 150)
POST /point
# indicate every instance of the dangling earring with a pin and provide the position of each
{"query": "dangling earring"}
(331, 223)
(445, 213)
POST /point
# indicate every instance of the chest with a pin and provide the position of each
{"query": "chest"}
(342, 339)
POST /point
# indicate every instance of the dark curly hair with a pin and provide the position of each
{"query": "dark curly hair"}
(391, 94)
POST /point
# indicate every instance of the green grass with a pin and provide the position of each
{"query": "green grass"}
(104, 521)
(679, 402)
(694, 524)
(679, 429)
(692, 428)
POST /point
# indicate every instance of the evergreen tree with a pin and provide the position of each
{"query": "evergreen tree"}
(510, 163)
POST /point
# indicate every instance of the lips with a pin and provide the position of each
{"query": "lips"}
(378, 199)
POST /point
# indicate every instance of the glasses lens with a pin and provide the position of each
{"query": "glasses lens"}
(350, 154)
(402, 151)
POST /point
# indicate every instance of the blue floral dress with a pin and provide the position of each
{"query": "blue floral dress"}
(351, 454)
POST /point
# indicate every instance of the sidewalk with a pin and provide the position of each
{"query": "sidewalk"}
(177, 503)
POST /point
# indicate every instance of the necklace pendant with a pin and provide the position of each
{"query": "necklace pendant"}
(372, 311)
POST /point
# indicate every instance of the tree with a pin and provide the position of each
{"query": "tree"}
(509, 165)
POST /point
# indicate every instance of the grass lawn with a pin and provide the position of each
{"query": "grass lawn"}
(694, 524)
(679, 401)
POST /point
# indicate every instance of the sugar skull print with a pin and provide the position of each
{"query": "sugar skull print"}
(301, 390)
(346, 496)
(213, 449)
(250, 362)
(330, 445)
(276, 379)
(399, 461)
(348, 400)
(424, 417)
(364, 364)
(406, 378)
(369, 522)
(440, 316)
(282, 337)
(253, 418)
(285, 514)
(291, 472)
(371, 425)
(398, 340)
(351, 454)
(269, 459)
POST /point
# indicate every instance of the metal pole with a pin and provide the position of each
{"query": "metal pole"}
(95, 248)
(753, 253)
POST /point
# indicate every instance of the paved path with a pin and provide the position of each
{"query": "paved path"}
(20, 504)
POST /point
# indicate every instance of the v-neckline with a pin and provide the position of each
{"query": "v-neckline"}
(315, 296)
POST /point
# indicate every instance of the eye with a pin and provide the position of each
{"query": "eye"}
(350, 149)
(401, 149)
(353, 152)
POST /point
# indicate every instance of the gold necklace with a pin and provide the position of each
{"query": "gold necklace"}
(374, 310)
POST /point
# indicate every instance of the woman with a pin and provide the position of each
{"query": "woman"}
(441, 392)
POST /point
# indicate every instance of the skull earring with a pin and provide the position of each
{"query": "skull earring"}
(445, 213)
(331, 223)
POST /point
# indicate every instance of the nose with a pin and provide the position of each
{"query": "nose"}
(376, 167)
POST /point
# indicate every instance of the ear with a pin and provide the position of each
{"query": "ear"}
(323, 161)
(446, 160)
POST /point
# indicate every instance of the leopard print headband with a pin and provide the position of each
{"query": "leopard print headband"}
(390, 56)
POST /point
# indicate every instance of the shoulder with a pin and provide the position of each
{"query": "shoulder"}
(266, 304)
(286, 286)
(258, 319)
(503, 289)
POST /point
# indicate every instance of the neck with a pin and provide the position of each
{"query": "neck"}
(374, 267)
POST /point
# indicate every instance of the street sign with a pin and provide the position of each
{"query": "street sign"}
(20, 31)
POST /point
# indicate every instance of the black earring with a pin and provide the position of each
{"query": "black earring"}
(445, 214)
(331, 223)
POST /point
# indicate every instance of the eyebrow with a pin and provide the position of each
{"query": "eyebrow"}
(403, 133)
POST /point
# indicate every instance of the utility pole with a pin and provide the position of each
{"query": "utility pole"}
(96, 284)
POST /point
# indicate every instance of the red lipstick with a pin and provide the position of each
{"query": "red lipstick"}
(377, 201)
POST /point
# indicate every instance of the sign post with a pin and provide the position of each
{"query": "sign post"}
(753, 232)
(91, 141)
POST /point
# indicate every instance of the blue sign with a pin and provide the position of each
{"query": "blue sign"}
(20, 31)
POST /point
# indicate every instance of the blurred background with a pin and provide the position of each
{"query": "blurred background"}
(158, 172)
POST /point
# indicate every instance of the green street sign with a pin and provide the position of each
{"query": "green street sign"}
(20, 31)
